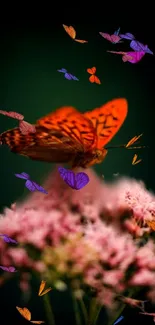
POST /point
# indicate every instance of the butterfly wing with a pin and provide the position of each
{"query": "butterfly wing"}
(26, 127)
(136, 46)
(115, 38)
(39, 188)
(117, 31)
(70, 31)
(15, 115)
(24, 312)
(62, 70)
(97, 80)
(42, 286)
(37, 321)
(68, 76)
(106, 36)
(92, 78)
(127, 36)
(108, 119)
(81, 180)
(68, 176)
(59, 137)
(74, 78)
(23, 175)
(30, 186)
(71, 124)
(91, 70)
(82, 41)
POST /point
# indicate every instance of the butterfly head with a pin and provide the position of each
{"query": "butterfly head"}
(97, 157)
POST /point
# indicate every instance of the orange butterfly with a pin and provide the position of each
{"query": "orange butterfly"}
(135, 161)
(42, 292)
(132, 141)
(93, 78)
(72, 33)
(151, 224)
(68, 136)
(27, 315)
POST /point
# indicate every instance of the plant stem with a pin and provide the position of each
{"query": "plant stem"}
(94, 311)
(84, 310)
(76, 310)
(49, 311)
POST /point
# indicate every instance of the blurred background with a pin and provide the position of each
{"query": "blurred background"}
(31, 53)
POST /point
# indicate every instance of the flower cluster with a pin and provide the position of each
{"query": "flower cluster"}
(86, 238)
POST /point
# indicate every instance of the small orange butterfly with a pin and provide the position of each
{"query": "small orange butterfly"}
(93, 78)
(42, 292)
(68, 136)
(135, 161)
(27, 315)
(132, 141)
(151, 224)
(72, 33)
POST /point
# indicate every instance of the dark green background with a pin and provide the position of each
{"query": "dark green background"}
(31, 52)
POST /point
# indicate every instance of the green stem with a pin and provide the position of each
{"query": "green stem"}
(94, 311)
(97, 315)
(76, 310)
(84, 310)
(49, 311)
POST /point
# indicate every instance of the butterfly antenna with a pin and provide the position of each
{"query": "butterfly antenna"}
(125, 147)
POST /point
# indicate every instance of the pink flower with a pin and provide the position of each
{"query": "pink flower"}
(85, 236)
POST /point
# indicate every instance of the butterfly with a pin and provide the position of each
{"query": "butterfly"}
(68, 136)
(127, 36)
(134, 302)
(67, 75)
(41, 289)
(7, 239)
(72, 33)
(31, 185)
(137, 46)
(27, 315)
(93, 78)
(24, 126)
(135, 161)
(114, 38)
(133, 140)
(75, 181)
(8, 268)
(151, 224)
(132, 57)
(118, 320)
(149, 314)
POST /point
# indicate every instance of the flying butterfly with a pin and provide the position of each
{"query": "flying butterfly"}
(93, 78)
(72, 33)
(43, 292)
(68, 136)
(27, 315)
(24, 126)
(135, 161)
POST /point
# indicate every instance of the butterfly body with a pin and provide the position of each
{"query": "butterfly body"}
(68, 136)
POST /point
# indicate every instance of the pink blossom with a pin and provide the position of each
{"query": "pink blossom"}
(85, 236)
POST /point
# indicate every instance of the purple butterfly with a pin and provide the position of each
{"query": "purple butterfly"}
(75, 181)
(7, 239)
(137, 46)
(8, 268)
(68, 75)
(118, 320)
(128, 36)
(31, 185)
